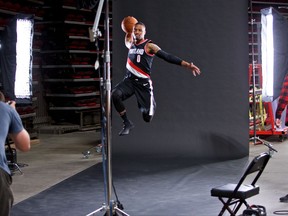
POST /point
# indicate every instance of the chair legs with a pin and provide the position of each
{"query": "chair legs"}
(226, 206)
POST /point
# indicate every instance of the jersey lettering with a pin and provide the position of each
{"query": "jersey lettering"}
(136, 51)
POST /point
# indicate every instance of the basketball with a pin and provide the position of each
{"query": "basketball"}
(128, 23)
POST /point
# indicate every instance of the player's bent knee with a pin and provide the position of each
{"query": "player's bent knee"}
(116, 94)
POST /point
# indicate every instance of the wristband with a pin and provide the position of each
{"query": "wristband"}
(169, 57)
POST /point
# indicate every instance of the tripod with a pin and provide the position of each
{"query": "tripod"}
(12, 158)
(111, 207)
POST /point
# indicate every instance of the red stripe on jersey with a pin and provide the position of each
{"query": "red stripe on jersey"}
(139, 70)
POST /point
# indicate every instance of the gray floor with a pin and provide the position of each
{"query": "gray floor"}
(274, 179)
(53, 159)
(57, 157)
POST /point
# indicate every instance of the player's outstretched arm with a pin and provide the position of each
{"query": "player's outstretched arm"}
(154, 49)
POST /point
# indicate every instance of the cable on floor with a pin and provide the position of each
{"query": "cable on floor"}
(281, 212)
(119, 204)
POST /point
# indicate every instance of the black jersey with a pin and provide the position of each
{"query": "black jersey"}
(139, 62)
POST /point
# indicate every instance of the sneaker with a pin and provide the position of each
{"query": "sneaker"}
(284, 199)
(127, 126)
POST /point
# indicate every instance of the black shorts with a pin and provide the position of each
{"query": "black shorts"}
(143, 90)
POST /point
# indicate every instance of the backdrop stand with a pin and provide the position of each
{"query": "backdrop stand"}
(254, 138)
(110, 207)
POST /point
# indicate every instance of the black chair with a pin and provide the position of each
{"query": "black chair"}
(236, 194)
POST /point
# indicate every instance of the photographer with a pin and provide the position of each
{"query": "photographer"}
(11, 125)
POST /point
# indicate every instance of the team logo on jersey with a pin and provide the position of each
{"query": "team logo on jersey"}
(136, 51)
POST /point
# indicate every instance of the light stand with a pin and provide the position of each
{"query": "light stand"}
(254, 138)
(110, 206)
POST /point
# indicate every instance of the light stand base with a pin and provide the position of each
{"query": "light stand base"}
(115, 211)
(87, 153)
(16, 167)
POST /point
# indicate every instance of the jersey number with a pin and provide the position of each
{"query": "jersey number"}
(138, 58)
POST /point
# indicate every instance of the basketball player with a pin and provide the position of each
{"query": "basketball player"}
(10, 123)
(137, 80)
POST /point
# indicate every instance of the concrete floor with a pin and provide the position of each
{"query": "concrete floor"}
(53, 159)
(57, 157)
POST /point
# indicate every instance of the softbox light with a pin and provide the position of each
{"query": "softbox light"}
(274, 48)
(16, 59)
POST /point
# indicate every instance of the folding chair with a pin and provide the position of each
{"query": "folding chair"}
(236, 194)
